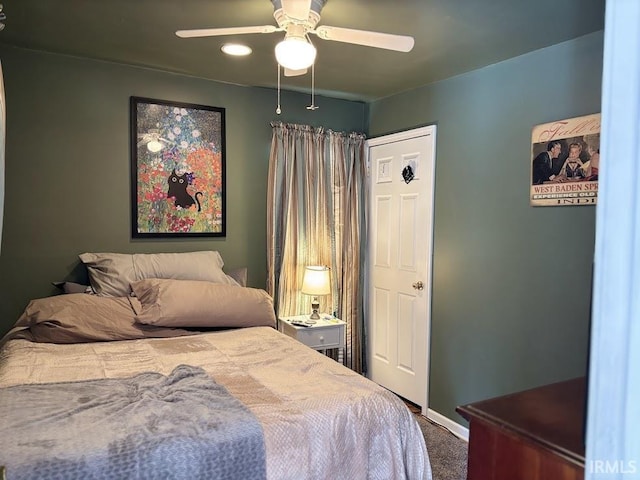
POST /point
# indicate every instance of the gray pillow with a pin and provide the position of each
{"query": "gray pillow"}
(192, 303)
(111, 274)
(239, 275)
(72, 287)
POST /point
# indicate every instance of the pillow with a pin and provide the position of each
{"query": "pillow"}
(239, 275)
(72, 287)
(79, 318)
(191, 303)
(111, 274)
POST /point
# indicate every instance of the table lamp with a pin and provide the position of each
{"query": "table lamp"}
(316, 282)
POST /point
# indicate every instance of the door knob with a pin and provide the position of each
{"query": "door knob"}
(418, 286)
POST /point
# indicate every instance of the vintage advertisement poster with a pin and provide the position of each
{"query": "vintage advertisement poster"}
(564, 162)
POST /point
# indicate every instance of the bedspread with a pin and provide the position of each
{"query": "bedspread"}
(320, 420)
(180, 426)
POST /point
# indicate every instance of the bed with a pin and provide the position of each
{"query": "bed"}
(314, 418)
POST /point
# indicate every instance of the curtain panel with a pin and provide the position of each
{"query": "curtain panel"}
(316, 200)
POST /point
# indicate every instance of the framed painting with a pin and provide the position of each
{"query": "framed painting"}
(177, 169)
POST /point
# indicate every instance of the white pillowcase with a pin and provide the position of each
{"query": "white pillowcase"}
(111, 274)
(192, 303)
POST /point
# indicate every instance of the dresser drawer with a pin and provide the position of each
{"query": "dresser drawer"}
(320, 337)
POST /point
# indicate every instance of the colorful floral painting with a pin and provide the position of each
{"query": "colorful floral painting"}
(178, 173)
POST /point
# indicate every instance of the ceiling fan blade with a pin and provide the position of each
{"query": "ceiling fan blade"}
(298, 9)
(294, 73)
(215, 32)
(399, 43)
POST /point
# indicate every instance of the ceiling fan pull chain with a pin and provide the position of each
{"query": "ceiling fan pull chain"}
(278, 110)
(313, 106)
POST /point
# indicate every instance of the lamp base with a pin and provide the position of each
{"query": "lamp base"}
(315, 305)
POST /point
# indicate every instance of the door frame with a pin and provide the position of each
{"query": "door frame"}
(429, 130)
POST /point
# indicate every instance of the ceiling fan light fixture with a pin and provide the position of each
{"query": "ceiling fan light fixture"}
(295, 53)
(236, 49)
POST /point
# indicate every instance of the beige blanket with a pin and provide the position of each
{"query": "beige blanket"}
(320, 420)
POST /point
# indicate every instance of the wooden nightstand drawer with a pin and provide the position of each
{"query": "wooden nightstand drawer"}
(320, 337)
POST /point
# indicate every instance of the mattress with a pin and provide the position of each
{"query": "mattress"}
(320, 420)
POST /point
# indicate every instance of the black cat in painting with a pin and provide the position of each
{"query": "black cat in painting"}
(178, 191)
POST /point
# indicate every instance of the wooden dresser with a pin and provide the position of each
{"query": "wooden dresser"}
(537, 434)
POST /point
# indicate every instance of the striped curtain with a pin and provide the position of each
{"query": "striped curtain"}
(316, 216)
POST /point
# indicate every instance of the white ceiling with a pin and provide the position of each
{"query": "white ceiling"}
(451, 37)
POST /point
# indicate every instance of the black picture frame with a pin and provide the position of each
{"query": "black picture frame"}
(178, 160)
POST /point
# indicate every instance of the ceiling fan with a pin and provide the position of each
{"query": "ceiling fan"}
(299, 18)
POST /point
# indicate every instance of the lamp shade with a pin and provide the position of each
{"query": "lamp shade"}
(316, 281)
(295, 53)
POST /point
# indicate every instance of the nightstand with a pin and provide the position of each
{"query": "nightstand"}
(326, 333)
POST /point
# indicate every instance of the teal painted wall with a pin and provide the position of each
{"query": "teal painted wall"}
(511, 283)
(68, 164)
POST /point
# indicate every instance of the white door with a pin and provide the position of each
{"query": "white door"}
(399, 261)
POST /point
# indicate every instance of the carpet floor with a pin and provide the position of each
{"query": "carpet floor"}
(447, 453)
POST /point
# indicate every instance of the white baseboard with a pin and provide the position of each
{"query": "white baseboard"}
(455, 428)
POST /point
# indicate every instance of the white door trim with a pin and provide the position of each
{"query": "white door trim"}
(613, 439)
(404, 135)
(396, 137)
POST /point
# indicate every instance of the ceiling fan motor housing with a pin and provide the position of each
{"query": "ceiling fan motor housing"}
(316, 5)
(284, 21)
